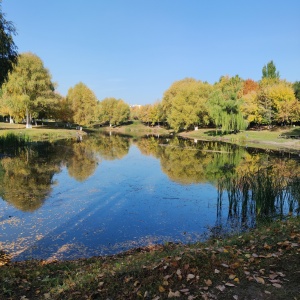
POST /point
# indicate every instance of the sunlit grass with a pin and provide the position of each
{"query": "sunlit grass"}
(280, 137)
(37, 133)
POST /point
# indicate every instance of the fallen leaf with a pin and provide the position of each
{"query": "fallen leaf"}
(173, 295)
(236, 280)
(224, 265)
(221, 287)
(229, 284)
(277, 285)
(161, 289)
(275, 280)
(235, 297)
(217, 271)
(267, 292)
(232, 276)
(190, 276)
(273, 276)
(208, 282)
(259, 280)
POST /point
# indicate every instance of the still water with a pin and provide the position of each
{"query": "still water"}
(107, 194)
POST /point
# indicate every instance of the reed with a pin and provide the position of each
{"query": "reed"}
(259, 196)
(12, 142)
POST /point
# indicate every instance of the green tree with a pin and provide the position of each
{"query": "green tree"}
(184, 104)
(8, 49)
(113, 111)
(28, 85)
(296, 87)
(83, 103)
(269, 71)
(225, 104)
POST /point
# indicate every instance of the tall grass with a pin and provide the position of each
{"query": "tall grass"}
(11, 142)
(259, 197)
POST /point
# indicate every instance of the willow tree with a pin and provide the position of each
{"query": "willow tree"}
(27, 86)
(224, 105)
(83, 104)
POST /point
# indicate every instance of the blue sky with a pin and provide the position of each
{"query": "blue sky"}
(135, 49)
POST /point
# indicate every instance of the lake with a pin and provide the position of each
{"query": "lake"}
(108, 193)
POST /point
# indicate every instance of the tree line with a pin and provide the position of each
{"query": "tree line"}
(231, 104)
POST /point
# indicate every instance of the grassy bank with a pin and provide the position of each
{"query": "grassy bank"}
(38, 133)
(261, 264)
(276, 138)
(136, 129)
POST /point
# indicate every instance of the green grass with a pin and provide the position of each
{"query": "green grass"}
(261, 264)
(38, 133)
(266, 139)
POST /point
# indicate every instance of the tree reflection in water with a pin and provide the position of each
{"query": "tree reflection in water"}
(257, 185)
(27, 177)
(252, 185)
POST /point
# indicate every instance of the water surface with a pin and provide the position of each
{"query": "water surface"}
(108, 194)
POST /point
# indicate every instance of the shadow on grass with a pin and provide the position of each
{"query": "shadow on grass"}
(294, 133)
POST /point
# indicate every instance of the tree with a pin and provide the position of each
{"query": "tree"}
(249, 86)
(8, 49)
(282, 97)
(276, 102)
(296, 87)
(151, 113)
(113, 111)
(27, 86)
(83, 103)
(184, 104)
(225, 104)
(269, 71)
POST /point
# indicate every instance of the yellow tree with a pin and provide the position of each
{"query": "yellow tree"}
(184, 104)
(27, 86)
(282, 94)
(276, 101)
(83, 103)
(113, 111)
